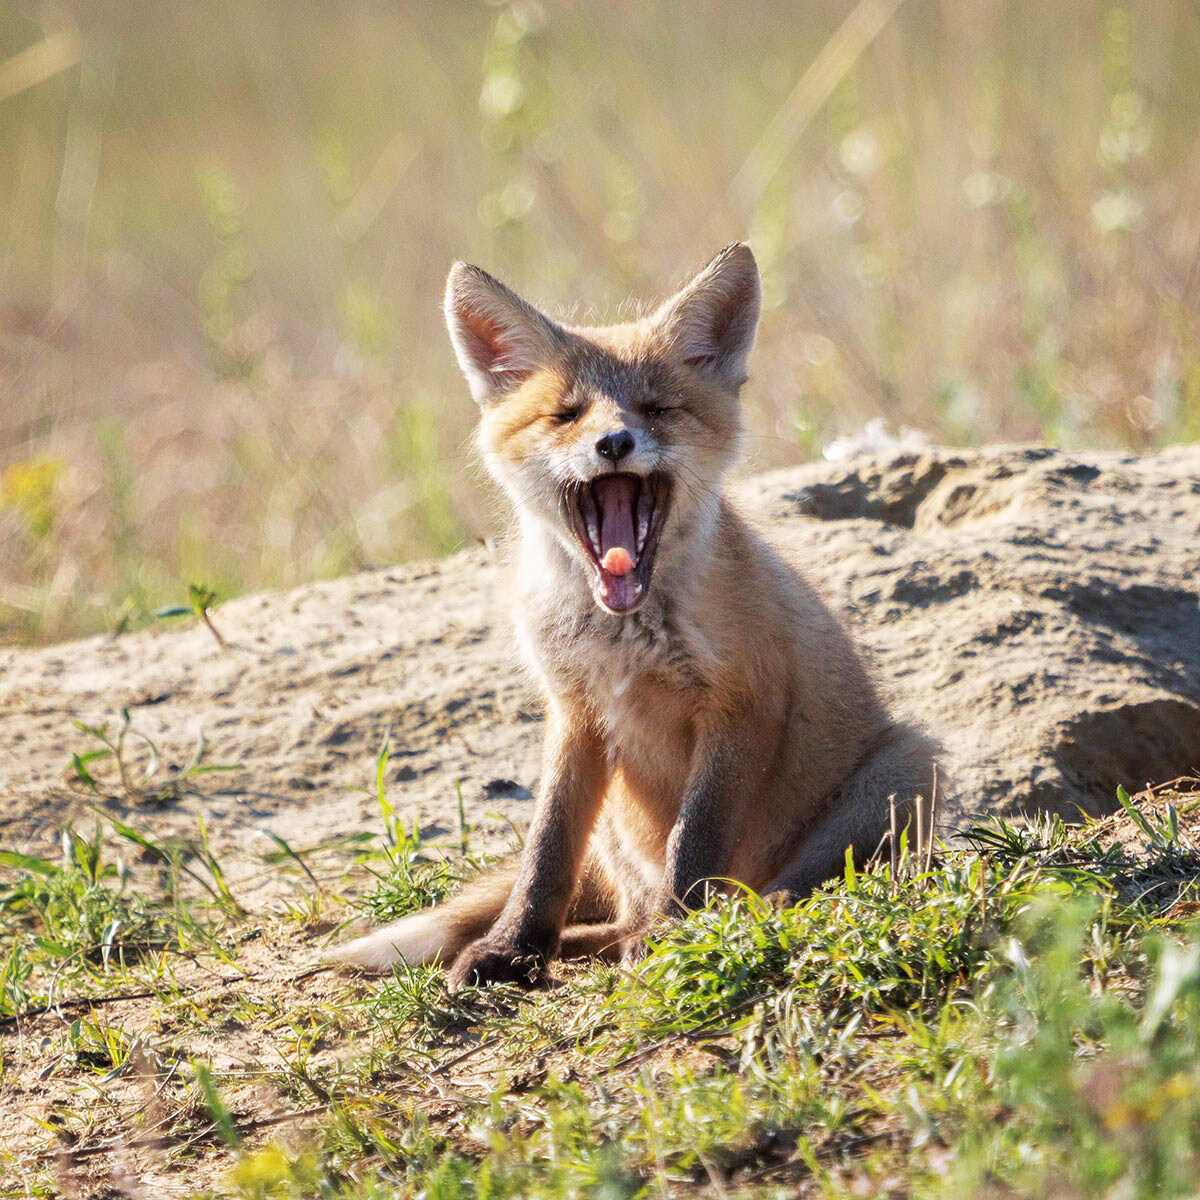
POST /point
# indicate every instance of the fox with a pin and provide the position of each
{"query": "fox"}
(709, 723)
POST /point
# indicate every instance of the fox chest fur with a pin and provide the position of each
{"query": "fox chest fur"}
(642, 680)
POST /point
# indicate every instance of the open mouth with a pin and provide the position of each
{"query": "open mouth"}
(617, 519)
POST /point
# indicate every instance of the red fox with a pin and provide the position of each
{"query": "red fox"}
(708, 720)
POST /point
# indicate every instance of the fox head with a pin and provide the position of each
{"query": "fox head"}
(614, 439)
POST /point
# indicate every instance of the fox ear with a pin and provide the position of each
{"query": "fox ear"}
(498, 337)
(711, 322)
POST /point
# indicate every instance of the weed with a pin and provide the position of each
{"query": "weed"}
(79, 918)
(1101, 1092)
(201, 600)
(142, 787)
(876, 942)
(413, 880)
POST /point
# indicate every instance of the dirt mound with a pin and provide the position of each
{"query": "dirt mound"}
(1036, 609)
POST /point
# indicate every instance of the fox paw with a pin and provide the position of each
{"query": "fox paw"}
(483, 962)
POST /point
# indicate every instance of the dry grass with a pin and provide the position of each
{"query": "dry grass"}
(225, 230)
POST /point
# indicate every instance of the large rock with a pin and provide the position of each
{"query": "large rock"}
(1036, 609)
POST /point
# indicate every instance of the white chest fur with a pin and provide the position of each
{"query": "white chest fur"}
(577, 648)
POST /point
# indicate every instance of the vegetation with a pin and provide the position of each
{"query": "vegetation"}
(227, 230)
(1017, 1017)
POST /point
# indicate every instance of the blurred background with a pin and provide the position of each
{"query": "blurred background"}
(225, 226)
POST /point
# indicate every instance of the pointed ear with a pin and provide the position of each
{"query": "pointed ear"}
(711, 323)
(498, 337)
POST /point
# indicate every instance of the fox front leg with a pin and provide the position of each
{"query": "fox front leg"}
(701, 842)
(526, 933)
(702, 839)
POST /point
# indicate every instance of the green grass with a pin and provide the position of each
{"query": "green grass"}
(226, 241)
(80, 916)
(1019, 1018)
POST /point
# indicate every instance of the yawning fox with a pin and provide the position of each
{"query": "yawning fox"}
(707, 718)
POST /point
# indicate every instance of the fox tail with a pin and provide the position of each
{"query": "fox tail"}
(433, 933)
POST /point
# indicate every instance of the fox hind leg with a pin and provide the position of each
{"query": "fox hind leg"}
(595, 901)
(859, 814)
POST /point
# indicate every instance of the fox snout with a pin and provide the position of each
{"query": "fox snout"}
(603, 446)
(615, 446)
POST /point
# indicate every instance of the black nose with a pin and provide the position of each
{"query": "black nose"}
(614, 446)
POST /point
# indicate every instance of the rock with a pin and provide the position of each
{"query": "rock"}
(1036, 609)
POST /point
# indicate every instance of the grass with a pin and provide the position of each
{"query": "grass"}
(226, 236)
(1018, 1018)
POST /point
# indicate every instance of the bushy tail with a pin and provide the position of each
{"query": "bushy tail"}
(433, 933)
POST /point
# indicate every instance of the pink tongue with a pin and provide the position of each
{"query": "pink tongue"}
(616, 499)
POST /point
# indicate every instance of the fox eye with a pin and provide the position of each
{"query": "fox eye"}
(657, 410)
(567, 415)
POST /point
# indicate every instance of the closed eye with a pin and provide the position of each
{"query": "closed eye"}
(660, 410)
(567, 415)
